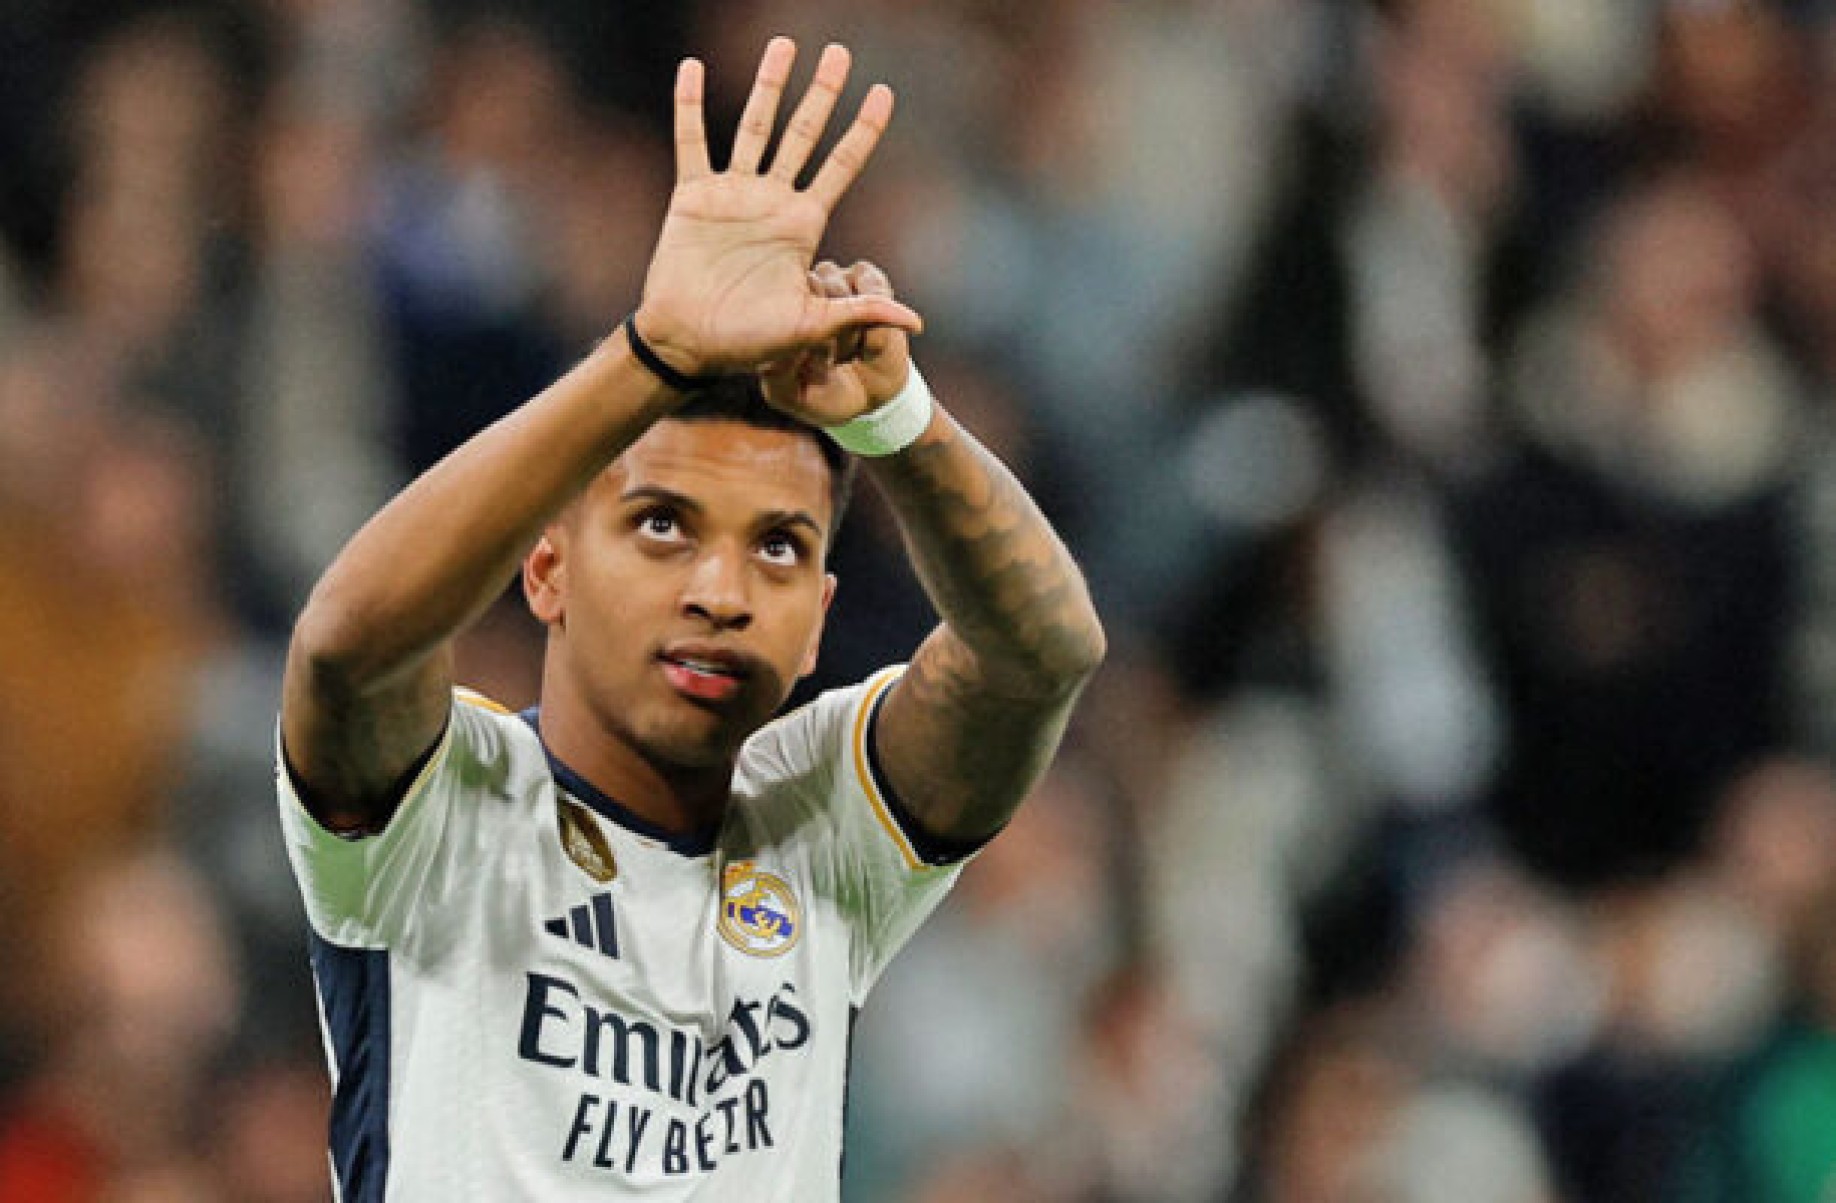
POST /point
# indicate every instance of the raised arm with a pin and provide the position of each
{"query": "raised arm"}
(975, 720)
(368, 678)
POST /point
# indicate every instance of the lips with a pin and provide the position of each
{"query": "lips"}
(704, 674)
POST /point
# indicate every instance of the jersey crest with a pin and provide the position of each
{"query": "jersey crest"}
(583, 841)
(758, 913)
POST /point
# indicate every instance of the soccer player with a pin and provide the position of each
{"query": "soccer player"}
(611, 948)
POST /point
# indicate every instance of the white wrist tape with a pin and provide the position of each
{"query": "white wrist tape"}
(892, 427)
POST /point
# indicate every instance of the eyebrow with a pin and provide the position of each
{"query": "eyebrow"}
(792, 518)
(767, 520)
(657, 493)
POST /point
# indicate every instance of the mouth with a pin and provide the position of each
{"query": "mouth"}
(704, 675)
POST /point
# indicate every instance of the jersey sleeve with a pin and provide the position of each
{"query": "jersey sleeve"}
(886, 875)
(380, 890)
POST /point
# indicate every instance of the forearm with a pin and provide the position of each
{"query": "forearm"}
(1000, 577)
(437, 555)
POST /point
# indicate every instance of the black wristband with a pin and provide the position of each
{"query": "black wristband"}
(661, 370)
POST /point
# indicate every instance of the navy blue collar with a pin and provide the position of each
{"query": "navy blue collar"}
(686, 844)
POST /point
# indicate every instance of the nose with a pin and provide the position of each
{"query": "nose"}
(716, 592)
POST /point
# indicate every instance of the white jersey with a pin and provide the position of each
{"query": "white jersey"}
(528, 994)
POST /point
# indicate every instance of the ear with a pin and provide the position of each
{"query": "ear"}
(545, 579)
(809, 656)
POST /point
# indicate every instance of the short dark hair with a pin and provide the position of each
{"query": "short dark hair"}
(742, 399)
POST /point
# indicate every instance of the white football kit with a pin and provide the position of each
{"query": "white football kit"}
(528, 993)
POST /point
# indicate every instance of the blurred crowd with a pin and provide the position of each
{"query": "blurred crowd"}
(1441, 395)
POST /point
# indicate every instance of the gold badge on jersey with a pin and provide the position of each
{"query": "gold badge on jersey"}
(758, 913)
(583, 841)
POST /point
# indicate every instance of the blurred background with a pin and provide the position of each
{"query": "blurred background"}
(1440, 393)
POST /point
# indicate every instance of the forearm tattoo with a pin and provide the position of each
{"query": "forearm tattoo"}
(987, 696)
(993, 566)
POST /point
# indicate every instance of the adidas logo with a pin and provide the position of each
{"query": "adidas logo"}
(589, 925)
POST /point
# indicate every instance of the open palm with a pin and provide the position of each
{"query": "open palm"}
(728, 285)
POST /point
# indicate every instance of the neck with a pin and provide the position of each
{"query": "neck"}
(682, 800)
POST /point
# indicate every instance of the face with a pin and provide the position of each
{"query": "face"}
(685, 592)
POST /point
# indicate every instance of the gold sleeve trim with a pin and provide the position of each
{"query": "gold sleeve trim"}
(864, 771)
(474, 698)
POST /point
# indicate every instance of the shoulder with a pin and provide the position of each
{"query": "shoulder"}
(810, 775)
(491, 749)
(485, 777)
(827, 735)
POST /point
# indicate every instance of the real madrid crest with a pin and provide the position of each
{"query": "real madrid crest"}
(583, 841)
(758, 913)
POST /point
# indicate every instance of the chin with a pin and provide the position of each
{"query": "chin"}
(685, 743)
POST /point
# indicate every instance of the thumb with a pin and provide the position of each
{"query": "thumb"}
(835, 316)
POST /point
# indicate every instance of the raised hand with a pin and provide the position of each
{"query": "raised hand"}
(728, 288)
(838, 381)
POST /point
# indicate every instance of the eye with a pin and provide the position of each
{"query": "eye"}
(659, 523)
(781, 549)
